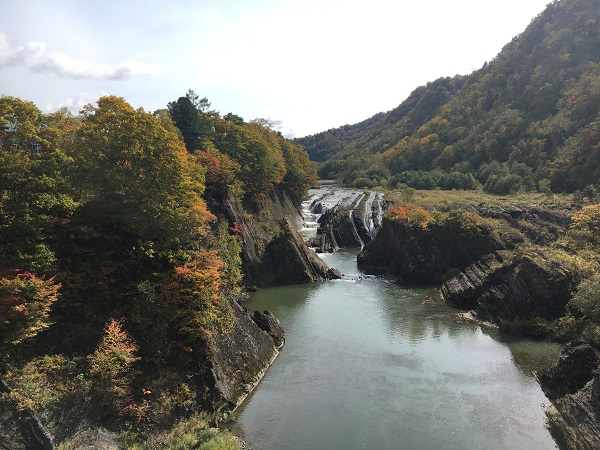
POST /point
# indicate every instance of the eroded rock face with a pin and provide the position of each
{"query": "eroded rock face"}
(503, 286)
(573, 370)
(288, 260)
(273, 251)
(240, 358)
(412, 254)
(271, 324)
(573, 385)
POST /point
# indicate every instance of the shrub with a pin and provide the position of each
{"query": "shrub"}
(586, 302)
(587, 220)
(409, 213)
(111, 366)
(194, 434)
(459, 220)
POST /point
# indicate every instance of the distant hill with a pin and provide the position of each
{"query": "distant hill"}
(527, 120)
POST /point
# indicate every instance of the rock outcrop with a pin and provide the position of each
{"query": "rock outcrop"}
(239, 358)
(288, 260)
(21, 428)
(573, 386)
(412, 254)
(502, 286)
(273, 252)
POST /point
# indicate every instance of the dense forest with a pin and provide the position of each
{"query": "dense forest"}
(529, 120)
(114, 272)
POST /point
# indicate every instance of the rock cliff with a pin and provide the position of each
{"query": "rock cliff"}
(240, 358)
(505, 286)
(273, 252)
(413, 254)
(573, 386)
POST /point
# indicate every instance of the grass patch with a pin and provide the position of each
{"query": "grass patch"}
(193, 433)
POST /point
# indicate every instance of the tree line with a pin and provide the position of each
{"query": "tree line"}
(529, 120)
(107, 245)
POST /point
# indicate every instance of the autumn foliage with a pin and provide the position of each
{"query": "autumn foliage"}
(114, 211)
(111, 365)
(587, 220)
(410, 213)
(195, 290)
(25, 302)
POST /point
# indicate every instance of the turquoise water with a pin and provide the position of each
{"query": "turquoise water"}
(368, 364)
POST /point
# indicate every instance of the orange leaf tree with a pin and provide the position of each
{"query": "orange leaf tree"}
(409, 213)
(25, 302)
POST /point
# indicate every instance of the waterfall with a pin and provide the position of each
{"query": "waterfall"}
(354, 230)
(379, 218)
(368, 217)
(310, 217)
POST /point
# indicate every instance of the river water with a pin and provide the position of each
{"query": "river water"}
(369, 364)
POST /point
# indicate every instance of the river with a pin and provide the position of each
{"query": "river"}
(369, 364)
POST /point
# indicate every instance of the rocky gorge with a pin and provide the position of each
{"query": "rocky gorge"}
(510, 266)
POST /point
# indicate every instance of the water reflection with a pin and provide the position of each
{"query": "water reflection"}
(370, 364)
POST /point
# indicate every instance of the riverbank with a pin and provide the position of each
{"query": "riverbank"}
(529, 268)
(369, 363)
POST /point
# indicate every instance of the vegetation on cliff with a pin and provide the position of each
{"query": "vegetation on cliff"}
(526, 121)
(115, 277)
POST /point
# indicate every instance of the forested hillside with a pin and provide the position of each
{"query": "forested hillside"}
(528, 120)
(115, 278)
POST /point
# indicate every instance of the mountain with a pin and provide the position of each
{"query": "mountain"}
(527, 120)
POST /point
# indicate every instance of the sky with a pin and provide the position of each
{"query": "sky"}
(305, 65)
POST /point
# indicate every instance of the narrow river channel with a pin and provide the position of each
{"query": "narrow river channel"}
(369, 364)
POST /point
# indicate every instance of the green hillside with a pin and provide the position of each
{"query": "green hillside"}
(528, 120)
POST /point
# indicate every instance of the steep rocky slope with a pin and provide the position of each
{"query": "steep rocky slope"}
(573, 386)
(272, 252)
(229, 364)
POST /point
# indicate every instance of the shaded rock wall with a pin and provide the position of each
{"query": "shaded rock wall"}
(573, 385)
(412, 254)
(504, 286)
(288, 260)
(240, 358)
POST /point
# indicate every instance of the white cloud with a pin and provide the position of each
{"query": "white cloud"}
(63, 65)
(33, 56)
(77, 103)
(17, 55)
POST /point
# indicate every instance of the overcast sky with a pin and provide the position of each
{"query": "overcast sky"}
(306, 65)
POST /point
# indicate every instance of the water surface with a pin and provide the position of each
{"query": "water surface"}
(372, 365)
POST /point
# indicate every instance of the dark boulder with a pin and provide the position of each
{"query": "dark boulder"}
(573, 385)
